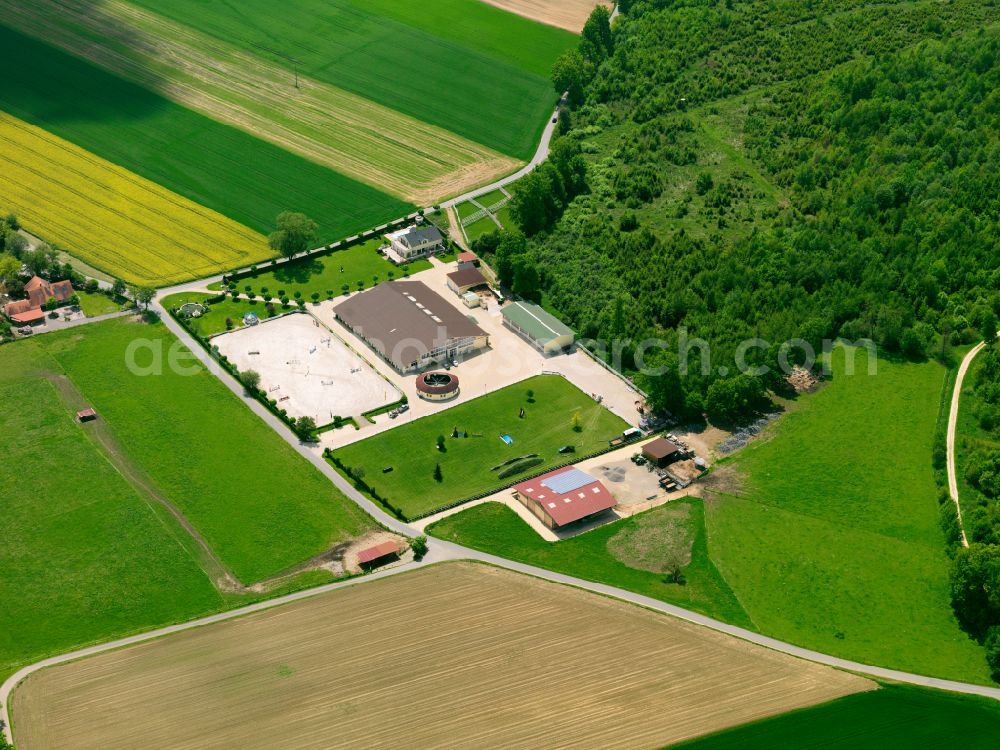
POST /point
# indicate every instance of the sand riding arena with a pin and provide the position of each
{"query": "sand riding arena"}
(306, 368)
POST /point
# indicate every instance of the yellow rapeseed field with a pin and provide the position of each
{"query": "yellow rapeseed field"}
(111, 218)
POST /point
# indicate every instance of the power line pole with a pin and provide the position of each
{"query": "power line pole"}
(288, 58)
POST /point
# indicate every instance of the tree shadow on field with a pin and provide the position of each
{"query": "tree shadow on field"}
(298, 271)
(46, 85)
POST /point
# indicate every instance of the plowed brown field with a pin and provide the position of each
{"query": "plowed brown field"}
(456, 655)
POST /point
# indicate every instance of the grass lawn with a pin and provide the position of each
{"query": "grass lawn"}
(329, 273)
(492, 197)
(459, 64)
(97, 304)
(477, 229)
(467, 463)
(831, 540)
(214, 321)
(896, 716)
(83, 556)
(217, 166)
(466, 209)
(503, 216)
(257, 503)
(611, 554)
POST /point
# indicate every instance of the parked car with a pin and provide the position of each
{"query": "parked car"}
(25, 330)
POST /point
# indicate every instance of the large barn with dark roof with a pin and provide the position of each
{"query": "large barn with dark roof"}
(410, 326)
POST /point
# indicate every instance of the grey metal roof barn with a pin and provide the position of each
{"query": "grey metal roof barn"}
(544, 330)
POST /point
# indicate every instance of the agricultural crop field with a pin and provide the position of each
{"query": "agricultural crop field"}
(634, 553)
(828, 532)
(460, 65)
(470, 465)
(259, 506)
(381, 94)
(894, 716)
(84, 556)
(501, 660)
(566, 14)
(111, 218)
(327, 274)
(353, 135)
(217, 166)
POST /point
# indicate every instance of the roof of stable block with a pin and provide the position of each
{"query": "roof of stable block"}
(532, 319)
(567, 494)
(371, 554)
(467, 277)
(660, 448)
(403, 320)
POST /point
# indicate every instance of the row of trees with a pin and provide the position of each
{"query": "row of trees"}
(975, 575)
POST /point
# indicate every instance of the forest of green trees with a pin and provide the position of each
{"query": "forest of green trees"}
(780, 169)
(975, 579)
(873, 130)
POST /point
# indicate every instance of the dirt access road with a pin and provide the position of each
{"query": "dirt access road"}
(956, 397)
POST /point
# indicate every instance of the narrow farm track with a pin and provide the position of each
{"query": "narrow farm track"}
(956, 397)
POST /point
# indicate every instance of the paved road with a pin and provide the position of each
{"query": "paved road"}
(956, 397)
(541, 154)
(53, 326)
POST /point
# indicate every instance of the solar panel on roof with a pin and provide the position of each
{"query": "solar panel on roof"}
(569, 480)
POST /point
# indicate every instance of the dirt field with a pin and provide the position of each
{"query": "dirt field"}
(566, 14)
(457, 655)
(307, 369)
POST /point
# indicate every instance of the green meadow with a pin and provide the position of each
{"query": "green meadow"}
(218, 166)
(325, 274)
(896, 716)
(84, 557)
(462, 65)
(828, 529)
(256, 502)
(467, 463)
(634, 553)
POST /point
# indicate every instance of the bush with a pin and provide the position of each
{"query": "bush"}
(992, 646)
(438, 476)
(419, 546)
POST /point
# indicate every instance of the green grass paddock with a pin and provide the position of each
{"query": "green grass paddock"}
(411, 449)
(896, 716)
(495, 528)
(257, 503)
(322, 273)
(83, 556)
(833, 541)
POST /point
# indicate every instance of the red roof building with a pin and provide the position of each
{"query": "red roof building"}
(564, 496)
(39, 292)
(371, 555)
(86, 415)
(467, 259)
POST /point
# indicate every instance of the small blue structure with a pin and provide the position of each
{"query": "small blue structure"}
(250, 319)
(507, 439)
